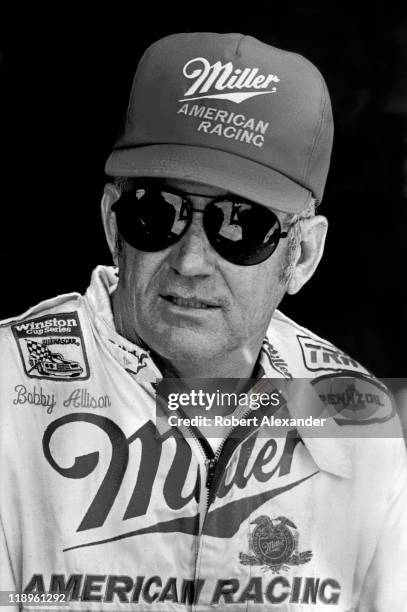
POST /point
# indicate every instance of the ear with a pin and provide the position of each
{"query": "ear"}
(311, 248)
(110, 196)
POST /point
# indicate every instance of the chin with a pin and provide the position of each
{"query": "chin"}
(189, 346)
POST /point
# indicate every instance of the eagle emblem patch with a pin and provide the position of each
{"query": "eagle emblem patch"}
(274, 545)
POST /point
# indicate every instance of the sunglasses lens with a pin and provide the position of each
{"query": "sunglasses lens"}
(242, 233)
(151, 220)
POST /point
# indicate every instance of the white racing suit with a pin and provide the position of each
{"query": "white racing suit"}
(99, 504)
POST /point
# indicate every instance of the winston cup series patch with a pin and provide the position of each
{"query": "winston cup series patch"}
(52, 347)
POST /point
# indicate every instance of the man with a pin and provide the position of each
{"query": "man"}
(210, 218)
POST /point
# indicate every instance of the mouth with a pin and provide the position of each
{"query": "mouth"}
(191, 302)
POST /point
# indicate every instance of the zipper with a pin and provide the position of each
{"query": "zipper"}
(208, 459)
(211, 459)
(210, 463)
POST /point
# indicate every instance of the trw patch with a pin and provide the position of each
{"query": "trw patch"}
(320, 356)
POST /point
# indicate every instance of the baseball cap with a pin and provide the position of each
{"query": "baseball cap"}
(229, 111)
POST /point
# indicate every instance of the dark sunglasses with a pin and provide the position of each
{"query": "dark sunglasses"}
(152, 218)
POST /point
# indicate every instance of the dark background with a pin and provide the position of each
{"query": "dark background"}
(65, 80)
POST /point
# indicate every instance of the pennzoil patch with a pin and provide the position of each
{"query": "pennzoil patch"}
(355, 399)
(52, 347)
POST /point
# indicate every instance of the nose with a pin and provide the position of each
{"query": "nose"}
(193, 254)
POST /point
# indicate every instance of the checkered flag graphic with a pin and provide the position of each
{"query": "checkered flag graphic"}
(37, 351)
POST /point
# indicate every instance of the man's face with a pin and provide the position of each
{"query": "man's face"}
(187, 302)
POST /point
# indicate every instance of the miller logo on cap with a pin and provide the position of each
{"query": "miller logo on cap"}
(220, 76)
(230, 111)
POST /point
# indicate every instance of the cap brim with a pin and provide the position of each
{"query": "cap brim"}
(220, 169)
